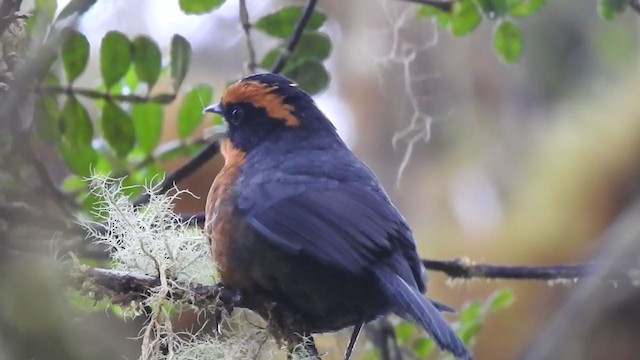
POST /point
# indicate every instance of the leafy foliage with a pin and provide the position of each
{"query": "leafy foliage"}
(122, 137)
(280, 24)
(466, 15)
(118, 131)
(305, 62)
(608, 9)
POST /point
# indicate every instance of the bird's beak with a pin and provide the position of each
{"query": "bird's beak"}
(215, 108)
(218, 132)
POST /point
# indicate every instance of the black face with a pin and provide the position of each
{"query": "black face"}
(264, 104)
(247, 125)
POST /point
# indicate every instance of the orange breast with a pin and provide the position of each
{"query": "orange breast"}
(219, 209)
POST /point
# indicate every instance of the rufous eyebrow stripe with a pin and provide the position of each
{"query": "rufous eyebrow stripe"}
(261, 96)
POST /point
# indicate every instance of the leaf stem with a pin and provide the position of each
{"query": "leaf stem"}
(93, 94)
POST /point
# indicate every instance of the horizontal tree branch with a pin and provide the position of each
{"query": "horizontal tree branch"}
(123, 288)
(93, 94)
(466, 269)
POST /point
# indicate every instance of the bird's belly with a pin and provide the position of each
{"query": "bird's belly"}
(320, 297)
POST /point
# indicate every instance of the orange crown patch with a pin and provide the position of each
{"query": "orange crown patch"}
(261, 96)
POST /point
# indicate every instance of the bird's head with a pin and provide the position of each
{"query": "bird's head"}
(260, 106)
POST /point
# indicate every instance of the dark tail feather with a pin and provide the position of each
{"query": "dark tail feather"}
(409, 302)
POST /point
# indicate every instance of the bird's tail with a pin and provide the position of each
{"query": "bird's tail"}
(410, 302)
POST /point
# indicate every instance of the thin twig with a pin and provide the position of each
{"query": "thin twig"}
(93, 94)
(635, 5)
(442, 5)
(466, 269)
(295, 37)
(181, 173)
(246, 27)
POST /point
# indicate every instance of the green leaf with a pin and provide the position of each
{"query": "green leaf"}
(501, 299)
(311, 76)
(46, 8)
(180, 59)
(472, 311)
(146, 60)
(190, 114)
(443, 18)
(75, 7)
(404, 331)
(115, 57)
(174, 149)
(280, 24)
(469, 331)
(75, 124)
(75, 54)
(423, 347)
(46, 116)
(79, 158)
(102, 164)
(465, 18)
(90, 203)
(608, 9)
(199, 6)
(507, 40)
(152, 171)
(312, 46)
(131, 80)
(147, 120)
(371, 354)
(73, 183)
(525, 7)
(117, 128)
(270, 58)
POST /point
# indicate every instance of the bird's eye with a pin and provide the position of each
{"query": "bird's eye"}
(236, 115)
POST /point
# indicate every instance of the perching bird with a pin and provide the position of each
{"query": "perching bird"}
(297, 220)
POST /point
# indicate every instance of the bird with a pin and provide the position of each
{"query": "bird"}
(298, 222)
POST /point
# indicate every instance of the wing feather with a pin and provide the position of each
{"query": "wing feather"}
(345, 226)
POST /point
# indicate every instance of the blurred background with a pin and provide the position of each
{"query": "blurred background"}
(526, 163)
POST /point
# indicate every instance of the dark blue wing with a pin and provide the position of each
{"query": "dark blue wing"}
(345, 226)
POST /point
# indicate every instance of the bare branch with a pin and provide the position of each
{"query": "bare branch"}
(246, 27)
(121, 287)
(295, 37)
(466, 269)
